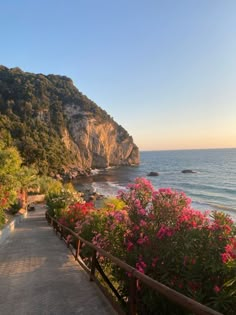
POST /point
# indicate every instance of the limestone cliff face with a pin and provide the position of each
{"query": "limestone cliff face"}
(56, 127)
(99, 143)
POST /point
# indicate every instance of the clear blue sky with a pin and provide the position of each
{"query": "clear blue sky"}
(164, 69)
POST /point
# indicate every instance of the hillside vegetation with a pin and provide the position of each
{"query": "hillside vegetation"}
(33, 112)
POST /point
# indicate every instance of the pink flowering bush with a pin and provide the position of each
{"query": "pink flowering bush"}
(182, 247)
(105, 228)
(75, 213)
(159, 234)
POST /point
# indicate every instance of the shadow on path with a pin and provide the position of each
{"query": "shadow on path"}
(38, 275)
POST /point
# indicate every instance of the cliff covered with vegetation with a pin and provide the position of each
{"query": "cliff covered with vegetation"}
(56, 128)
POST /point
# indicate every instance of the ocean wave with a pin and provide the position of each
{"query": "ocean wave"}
(204, 206)
(213, 205)
(210, 188)
(111, 167)
(96, 171)
(116, 186)
(107, 189)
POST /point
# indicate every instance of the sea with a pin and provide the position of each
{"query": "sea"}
(211, 185)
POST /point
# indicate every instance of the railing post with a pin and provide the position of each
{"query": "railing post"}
(77, 249)
(93, 265)
(54, 225)
(132, 296)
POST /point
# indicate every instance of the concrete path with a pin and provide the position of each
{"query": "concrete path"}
(38, 275)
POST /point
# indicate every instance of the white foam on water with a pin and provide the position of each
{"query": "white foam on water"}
(107, 189)
(203, 206)
(96, 171)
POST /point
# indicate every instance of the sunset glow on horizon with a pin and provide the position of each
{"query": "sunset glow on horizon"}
(164, 70)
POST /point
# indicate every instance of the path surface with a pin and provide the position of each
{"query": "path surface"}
(38, 275)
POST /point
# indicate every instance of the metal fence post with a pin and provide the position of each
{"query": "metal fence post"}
(93, 265)
(77, 249)
(132, 296)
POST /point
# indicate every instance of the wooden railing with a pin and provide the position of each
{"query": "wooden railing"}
(134, 275)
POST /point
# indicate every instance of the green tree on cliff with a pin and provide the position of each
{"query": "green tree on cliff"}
(10, 163)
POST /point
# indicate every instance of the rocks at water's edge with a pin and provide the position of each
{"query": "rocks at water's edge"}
(153, 174)
(189, 172)
(90, 194)
(72, 173)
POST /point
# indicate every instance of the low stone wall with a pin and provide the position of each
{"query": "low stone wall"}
(5, 232)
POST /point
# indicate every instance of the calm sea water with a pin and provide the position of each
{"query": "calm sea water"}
(213, 186)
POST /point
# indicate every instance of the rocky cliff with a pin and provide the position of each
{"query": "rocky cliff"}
(99, 143)
(56, 127)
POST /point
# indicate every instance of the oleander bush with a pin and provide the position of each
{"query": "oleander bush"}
(158, 233)
(60, 199)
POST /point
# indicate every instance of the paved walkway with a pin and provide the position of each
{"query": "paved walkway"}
(38, 275)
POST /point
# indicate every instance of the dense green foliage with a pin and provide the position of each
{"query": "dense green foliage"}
(15, 179)
(10, 164)
(31, 111)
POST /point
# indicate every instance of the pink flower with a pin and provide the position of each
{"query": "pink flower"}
(230, 252)
(143, 240)
(154, 262)
(137, 203)
(136, 228)
(68, 238)
(151, 216)
(224, 258)
(165, 191)
(234, 247)
(164, 231)
(141, 266)
(142, 211)
(143, 223)
(130, 246)
(227, 228)
(216, 288)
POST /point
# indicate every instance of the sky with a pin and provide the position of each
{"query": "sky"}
(163, 69)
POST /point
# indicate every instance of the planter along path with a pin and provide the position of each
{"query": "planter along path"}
(38, 275)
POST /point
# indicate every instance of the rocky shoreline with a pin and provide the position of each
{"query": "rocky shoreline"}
(72, 174)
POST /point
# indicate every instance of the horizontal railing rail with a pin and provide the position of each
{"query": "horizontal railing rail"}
(134, 275)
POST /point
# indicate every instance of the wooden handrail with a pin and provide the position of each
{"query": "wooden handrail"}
(172, 295)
